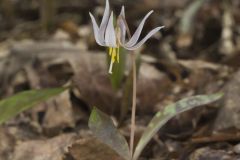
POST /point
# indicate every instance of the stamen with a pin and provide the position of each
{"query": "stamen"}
(110, 51)
(118, 51)
(114, 53)
(110, 68)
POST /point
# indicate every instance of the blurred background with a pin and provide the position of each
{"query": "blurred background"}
(50, 43)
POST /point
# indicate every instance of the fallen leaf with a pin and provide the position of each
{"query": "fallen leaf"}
(229, 114)
(49, 149)
(90, 149)
(59, 114)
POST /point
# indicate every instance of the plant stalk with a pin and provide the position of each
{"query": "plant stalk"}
(134, 96)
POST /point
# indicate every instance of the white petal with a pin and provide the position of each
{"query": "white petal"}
(98, 39)
(105, 19)
(123, 12)
(110, 37)
(152, 32)
(137, 33)
(122, 25)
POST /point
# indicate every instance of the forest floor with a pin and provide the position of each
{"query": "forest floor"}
(198, 52)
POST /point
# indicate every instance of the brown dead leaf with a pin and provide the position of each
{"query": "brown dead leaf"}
(49, 149)
(6, 144)
(90, 149)
(229, 114)
(93, 82)
(200, 64)
(202, 75)
(71, 28)
(151, 86)
(211, 154)
(59, 114)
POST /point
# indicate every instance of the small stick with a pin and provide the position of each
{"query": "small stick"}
(134, 93)
(133, 104)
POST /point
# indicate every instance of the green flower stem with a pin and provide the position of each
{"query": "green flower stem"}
(133, 103)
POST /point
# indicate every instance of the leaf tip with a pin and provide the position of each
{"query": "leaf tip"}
(218, 96)
(94, 117)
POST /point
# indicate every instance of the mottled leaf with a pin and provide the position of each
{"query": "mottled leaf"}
(11, 106)
(103, 128)
(170, 111)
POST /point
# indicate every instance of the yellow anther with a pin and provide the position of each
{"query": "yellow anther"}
(114, 54)
(110, 51)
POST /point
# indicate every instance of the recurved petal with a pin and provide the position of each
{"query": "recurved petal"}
(105, 19)
(151, 33)
(137, 33)
(122, 13)
(110, 37)
(122, 25)
(98, 39)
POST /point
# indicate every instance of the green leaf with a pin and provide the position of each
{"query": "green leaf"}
(189, 14)
(103, 128)
(170, 111)
(13, 105)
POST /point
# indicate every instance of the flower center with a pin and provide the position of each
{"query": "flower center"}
(114, 54)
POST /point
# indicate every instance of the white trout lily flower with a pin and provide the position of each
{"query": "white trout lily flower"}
(133, 43)
(105, 35)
